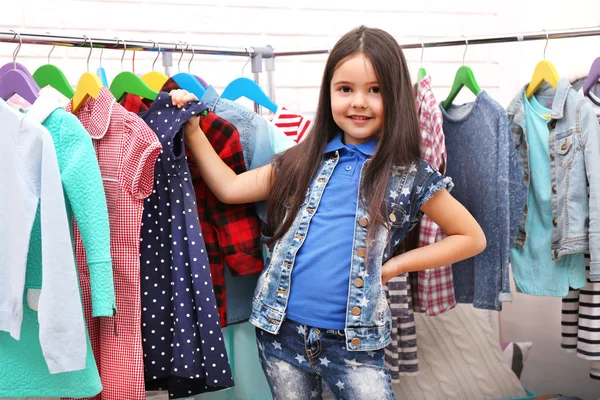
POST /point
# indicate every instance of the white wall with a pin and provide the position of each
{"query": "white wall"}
(315, 24)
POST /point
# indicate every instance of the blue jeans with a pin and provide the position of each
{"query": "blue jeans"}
(301, 357)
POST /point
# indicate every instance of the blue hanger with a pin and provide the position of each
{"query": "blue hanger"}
(18, 81)
(186, 80)
(246, 87)
(101, 73)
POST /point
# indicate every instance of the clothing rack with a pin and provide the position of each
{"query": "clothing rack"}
(483, 39)
(257, 54)
(254, 53)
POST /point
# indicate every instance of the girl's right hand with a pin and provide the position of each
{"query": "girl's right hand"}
(180, 97)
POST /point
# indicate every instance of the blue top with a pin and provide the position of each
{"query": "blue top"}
(482, 162)
(319, 283)
(535, 272)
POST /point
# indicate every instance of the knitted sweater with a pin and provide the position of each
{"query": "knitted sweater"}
(460, 358)
(23, 370)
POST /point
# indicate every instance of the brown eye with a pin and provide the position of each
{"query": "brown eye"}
(375, 90)
(345, 89)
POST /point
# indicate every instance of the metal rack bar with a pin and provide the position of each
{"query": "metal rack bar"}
(484, 39)
(138, 45)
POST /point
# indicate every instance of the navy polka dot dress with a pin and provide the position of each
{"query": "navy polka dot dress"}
(184, 351)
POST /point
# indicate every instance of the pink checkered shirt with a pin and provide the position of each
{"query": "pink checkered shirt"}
(127, 150)
(435, 286)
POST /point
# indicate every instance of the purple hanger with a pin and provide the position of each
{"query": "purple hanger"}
(11, 65)
(591, 80)
(16, 81)
(202, 81)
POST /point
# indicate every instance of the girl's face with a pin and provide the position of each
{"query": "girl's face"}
(356, 102)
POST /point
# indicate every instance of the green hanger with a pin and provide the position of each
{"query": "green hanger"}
(51, 75)
(421, 74)
(464, 77)
(128, 82)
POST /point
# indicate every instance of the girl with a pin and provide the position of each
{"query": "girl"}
(339, 204)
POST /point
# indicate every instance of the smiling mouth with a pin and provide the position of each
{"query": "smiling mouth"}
(359, 117)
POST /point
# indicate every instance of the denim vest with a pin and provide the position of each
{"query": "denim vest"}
(574, 148)
(368, 318)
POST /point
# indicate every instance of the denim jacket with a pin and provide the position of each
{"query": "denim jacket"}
(255, 131)
(368, 318)
(574, 147)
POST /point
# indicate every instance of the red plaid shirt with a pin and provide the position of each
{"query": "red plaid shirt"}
(435, 286)
(135, 104)
(231, 232)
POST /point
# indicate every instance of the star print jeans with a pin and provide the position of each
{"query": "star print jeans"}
(301, 357)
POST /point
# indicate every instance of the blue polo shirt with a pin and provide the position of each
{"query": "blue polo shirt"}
(319, 283)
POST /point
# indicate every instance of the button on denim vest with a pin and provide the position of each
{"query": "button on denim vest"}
(368, 318)
(574, 148)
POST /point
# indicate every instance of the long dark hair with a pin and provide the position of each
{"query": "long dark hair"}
(399, 140)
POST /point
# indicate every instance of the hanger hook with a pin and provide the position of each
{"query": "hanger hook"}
(101, 54)
(155, 44)
(180, 57)
(91, 48)
(176, 47)
(124, 50)
(422, 51)
(17, 49)
(191, 59)
(53, 47)
(466, 47)
(133, 62)
(249, 58)
(546, 46)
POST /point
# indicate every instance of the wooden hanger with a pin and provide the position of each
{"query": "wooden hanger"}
(246, 87)
(591, 80)
(51, 75)
(89, 85)
(128, 82)
(544, 72)
(464, 77)
(16, 79)
(154, 79)
(187, 81)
